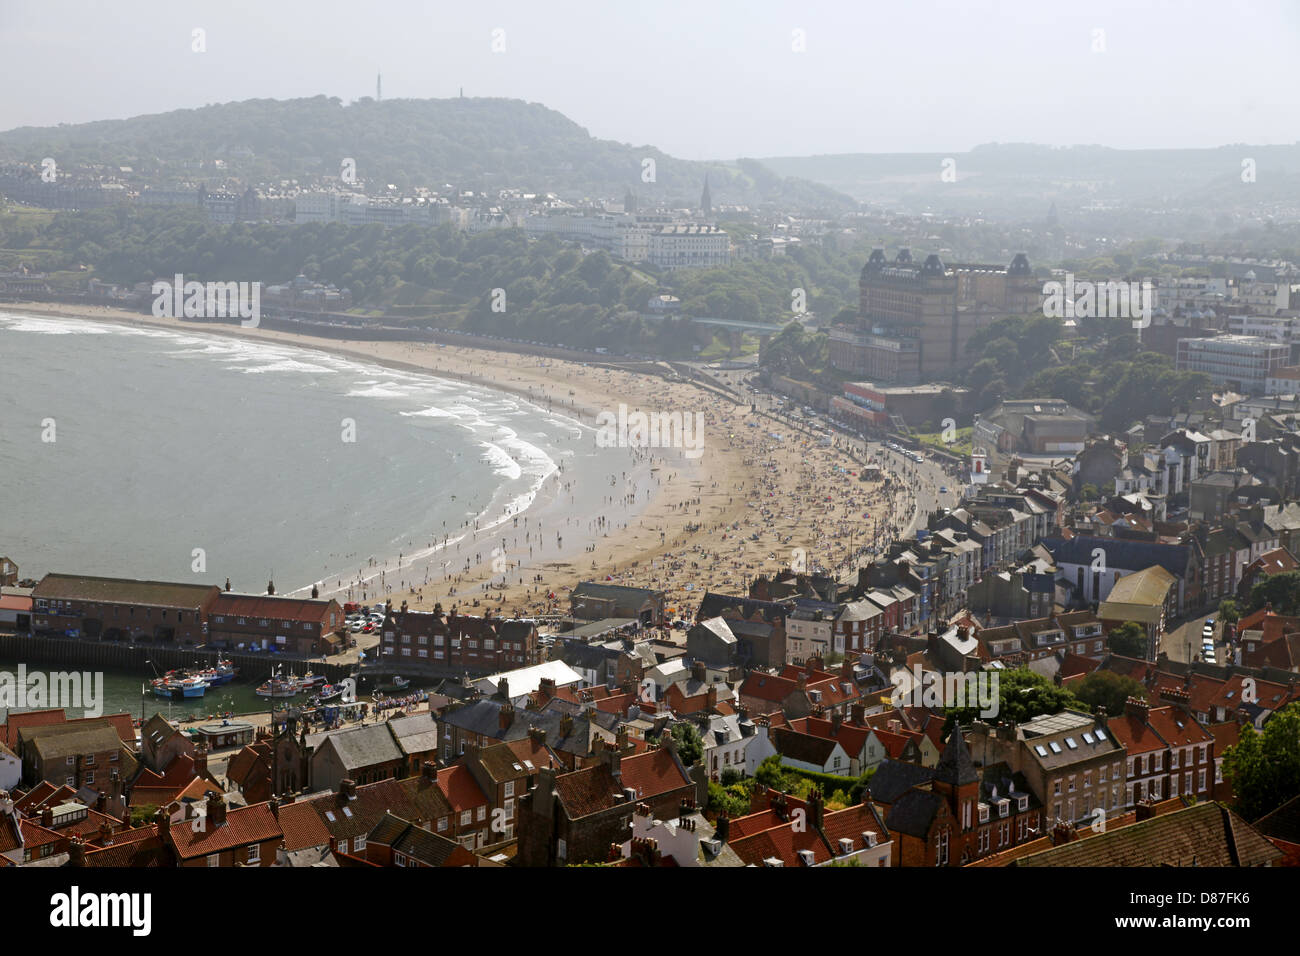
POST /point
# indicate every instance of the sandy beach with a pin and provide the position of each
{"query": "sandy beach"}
(751, 503)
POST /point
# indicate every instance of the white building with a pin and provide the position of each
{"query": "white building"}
(689, 246)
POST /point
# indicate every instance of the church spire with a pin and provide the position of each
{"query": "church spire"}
(706, 200)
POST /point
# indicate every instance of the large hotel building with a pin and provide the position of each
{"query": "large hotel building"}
(914, 321)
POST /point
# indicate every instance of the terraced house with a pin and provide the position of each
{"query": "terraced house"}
(458, 643)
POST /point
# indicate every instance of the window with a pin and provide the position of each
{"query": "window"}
(442, 824)
(90, 777)
(561, 850)
(399, 859)
(254, 854)
(466, 818)
(482, 814)
(510, 788)
(1200, 780)
(71, 761)
(343, 846)
(214, 859)
(359, 844)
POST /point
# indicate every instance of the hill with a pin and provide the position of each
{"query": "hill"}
(472, 143)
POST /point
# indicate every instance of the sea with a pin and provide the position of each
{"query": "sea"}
(181, 456)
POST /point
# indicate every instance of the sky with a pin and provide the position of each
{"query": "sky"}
(708, 79)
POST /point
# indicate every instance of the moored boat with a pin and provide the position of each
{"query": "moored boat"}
(176, 688)
(280, 687)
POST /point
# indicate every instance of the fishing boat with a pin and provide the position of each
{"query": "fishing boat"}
(174, 688)
(309, 681)
(280, 687)
(329, 692)
(222, 673)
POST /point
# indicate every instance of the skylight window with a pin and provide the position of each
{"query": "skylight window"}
(1069, 742)
(1101, 734)
(1088, 738)
(1042, 751)
(1056, 748)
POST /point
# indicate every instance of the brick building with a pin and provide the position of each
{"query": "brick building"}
(309, 627)
(120, 609)
(458, 643)
(575, 817)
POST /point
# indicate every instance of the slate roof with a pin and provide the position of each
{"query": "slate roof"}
(1120, 553)
(63, 740)
(914, 812)
(363, 747)
(1283, 823)
(955, 766)
(80, 587)
(1207, 834)
(713, 604)
(805, 748)
(893, 778)
(418, 843)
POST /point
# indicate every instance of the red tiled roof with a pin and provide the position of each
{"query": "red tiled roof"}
(462, 790)
(302, 610)
(781, 842)
(243, 826)
(849, 736)
(302, 827)
(652, 773)
(767, 687)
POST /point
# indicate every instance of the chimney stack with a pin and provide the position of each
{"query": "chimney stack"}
(201, 760)
(429, 770)
(216, 812)
(722, 827)
(699, 671)
(348, 789)
(77, 852)
(164, 823)
(506, 717)
(1137, 707)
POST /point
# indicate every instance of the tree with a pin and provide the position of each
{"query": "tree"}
(1264, 768)
(1280, 590)
(1022, 695)
(1129, 640)
(1229, 613)
(732, 800)
(1107, 689)
(690, 747)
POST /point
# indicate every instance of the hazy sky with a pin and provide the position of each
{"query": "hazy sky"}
(700, 79)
